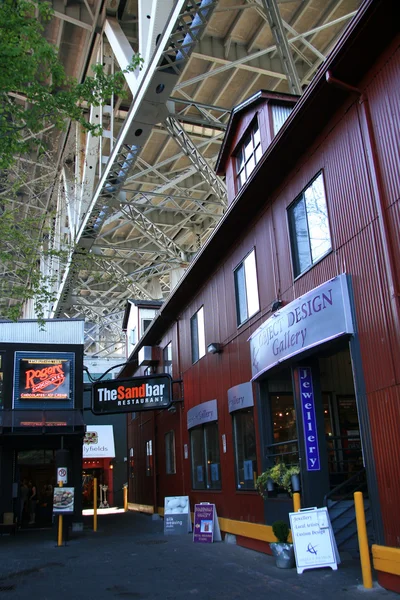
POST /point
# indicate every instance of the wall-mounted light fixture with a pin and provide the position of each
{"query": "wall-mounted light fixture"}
(276, 305)
(214, 348)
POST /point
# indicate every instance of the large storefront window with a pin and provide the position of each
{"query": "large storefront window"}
(170, 466)
(206, 466)
(284, 446)
(244, 440)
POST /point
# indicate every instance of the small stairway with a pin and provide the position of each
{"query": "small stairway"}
(340, 504)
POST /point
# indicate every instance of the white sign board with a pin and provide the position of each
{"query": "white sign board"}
(177, 517)
(318, 316)
(62, 474)
(98, 442)
(313, 539)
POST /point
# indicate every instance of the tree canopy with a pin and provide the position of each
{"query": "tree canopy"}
(35, 94)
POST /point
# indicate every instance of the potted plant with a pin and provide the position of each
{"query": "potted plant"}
(282, 549)
(280, 474)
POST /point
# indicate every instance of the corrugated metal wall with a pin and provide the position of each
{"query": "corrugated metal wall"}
(57, 331)
(341, 153)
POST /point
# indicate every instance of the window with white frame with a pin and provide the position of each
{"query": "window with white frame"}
(244, 443)
(205, 458)
(170, 466)
(246, 289)
(167, 358)
(248, 155)
(279, 115)
(149, 458)
(197, 335)
(309, 226)
(145, 324)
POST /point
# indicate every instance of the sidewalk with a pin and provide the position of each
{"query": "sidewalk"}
(129, 557)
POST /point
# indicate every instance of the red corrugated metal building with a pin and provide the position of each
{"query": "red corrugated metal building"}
(283, 336)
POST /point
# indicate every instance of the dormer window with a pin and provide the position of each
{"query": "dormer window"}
(248, 156)
(279, 115)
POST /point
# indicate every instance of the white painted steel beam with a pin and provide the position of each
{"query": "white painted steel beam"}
(156, 84)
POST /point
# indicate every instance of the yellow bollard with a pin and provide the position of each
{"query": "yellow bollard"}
(125, 498)
(363, 540)
(296, 502)
(60, 523)
(95, 504)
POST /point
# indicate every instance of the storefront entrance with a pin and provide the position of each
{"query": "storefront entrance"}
(340, 452)
(35, 470)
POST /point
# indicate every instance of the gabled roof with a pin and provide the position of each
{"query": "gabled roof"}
(237, 114)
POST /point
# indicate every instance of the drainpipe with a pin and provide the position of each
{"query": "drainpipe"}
(181, 405)
(378, 191)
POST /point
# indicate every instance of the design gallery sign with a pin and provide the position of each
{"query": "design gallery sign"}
(132, 395)
(206, 412)
(98, 442)
(318, 316)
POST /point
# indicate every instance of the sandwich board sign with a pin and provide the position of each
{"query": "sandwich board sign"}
(313, 539)
(177, 517)
(206, 525)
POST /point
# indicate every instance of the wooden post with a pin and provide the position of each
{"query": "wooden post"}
(95, 504)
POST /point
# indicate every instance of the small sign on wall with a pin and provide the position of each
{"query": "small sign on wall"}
(224, 443)
(62, 474)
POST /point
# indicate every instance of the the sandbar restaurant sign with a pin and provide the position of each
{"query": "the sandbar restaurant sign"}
(318, 316)
(132, 395)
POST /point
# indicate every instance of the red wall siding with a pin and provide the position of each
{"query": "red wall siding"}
(340, 151)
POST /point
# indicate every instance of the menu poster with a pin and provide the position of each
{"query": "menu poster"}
(177, 517)
(63, 500)
(206, 525)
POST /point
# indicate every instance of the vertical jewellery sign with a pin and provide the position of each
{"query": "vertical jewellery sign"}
(309, 419)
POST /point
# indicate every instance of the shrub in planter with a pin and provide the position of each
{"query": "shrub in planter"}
(282, 549)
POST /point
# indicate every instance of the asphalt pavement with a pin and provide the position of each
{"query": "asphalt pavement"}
(130, 557)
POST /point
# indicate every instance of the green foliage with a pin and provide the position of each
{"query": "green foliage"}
(281, 531)
(34, 89)
(280, 474)
(35, 94)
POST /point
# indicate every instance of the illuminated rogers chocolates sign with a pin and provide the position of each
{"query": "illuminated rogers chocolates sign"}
(44, 378)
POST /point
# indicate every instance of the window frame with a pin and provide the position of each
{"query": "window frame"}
(196, 348)
(142, 322)
(236, 270)
(297, 272)
(235, 416)
(149, 458)
(204, 430)
(240, 157)
(170, 453)
(167, 361)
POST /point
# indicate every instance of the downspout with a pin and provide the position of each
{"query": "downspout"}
(391, 275)
(378, 191)
(181, 405)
